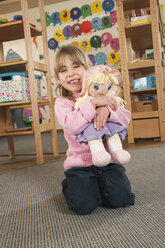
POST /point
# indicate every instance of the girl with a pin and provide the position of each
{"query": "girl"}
(86, 187)
(102, 80)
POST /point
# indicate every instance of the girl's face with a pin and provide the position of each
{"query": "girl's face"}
(70, 75)
(96, 89)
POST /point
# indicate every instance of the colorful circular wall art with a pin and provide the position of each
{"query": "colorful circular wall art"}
(52, 44)
(106, 22)
(75, 14)
(55, 18)
(96, 23)
(86, 10)
(106, 38)
(58, 35)
(65, 15)
(108, 5)
(113, 57)
(92, 59)
(115, 44)
(95, 41)
(85, 45)
(76, 29)
(67, 31)
(86, 27)
(113, 15)
(96, 7)
(101, 58)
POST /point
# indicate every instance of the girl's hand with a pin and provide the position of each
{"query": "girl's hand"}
(101, 117)
(100, 101)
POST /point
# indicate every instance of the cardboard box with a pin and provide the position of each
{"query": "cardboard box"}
(14, 86)
(144, 83)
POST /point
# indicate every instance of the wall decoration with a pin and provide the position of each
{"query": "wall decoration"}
(106, 38)
(55, 18)
(67, 31)
(92, 59)
(58, 35)
(85, 45)
(76, 43)
(101, 58)
(75, 14)
(115, 44)
(11, 55)
(86, 27)
(86, 10)
(108, 5)
(35, 41)
(76, 29)
(65, 15)
(113, 15)
(96, 23)
(47, 19)
(95, 41)
(96, 7)
(52, 44)
(106, 22)
(113, 57)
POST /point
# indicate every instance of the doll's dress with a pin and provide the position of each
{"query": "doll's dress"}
(110, 128)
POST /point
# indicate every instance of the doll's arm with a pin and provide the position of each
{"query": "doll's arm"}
(120, 116)
(74, 121)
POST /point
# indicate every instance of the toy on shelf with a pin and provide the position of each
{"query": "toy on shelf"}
(140, 17)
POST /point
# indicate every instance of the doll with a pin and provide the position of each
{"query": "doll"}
(105, 144)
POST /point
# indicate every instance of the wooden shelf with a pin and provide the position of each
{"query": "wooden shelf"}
(141, 63)
(22, 103)
(21, 66)
(145, 115)
(141, 36)
(134, 40)
(14, 31)
(134, 4)
(143, 91)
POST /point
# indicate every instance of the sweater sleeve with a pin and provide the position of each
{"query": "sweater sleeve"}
(73, 120)
(121, 116)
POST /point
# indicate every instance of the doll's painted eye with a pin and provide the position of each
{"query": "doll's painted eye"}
(109, 87)
(96, 87)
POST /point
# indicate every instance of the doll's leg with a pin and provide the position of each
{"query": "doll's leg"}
(100, 157)
(119, 155)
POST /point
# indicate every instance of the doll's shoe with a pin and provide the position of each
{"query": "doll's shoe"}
(121, 157)
(101, 158)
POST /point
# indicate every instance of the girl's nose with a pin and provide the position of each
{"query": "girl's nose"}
(70, 72)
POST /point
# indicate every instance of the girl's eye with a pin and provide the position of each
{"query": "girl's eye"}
(96, 87)
(109, 87)
(76, 66)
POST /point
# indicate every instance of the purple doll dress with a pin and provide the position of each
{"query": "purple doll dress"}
(110, 128)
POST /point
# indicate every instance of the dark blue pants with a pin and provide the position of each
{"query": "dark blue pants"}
(87, 188)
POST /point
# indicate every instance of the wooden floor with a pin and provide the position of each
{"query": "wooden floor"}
(6, 164)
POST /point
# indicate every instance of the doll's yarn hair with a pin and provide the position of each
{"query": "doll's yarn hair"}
(100, 78)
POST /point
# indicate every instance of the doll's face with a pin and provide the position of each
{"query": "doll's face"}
(97, 89)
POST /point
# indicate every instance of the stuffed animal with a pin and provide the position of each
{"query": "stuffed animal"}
(105, 145)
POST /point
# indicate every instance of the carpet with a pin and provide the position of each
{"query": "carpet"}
(34, 214)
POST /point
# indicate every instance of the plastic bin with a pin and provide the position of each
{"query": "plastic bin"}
(14, 86)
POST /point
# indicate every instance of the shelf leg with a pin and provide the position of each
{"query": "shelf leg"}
(11, 147)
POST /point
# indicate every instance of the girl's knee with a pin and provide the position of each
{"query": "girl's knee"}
(82, 206)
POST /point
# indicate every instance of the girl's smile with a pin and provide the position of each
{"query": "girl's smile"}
(70, 75)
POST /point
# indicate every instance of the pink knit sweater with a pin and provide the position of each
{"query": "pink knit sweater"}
(74, 121)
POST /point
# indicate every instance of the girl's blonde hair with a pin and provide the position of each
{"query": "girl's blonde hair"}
(77, 56)
(100, 78)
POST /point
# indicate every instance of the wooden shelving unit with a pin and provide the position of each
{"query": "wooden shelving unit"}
(134, 39)
(23, 29)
